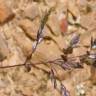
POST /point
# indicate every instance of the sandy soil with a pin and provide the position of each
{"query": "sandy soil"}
(19, 24)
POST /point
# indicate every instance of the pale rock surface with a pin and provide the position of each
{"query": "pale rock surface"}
(24, 43)
(6, 13)
(4, 51)
(32, 11)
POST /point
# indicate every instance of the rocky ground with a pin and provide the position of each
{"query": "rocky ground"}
(19, 24)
